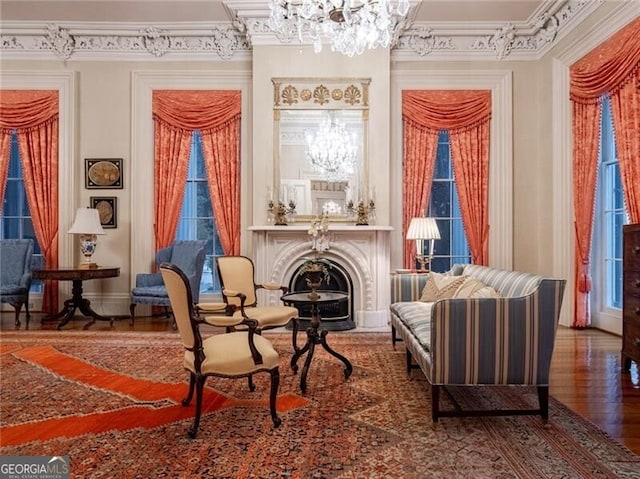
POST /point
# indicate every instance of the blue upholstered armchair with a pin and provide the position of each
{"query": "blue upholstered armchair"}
(15, 274)
(150, 289)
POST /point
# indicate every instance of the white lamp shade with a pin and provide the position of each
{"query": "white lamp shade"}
(423, 228)
(87, 221)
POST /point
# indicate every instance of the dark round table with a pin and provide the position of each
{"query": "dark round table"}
(315, 335)
(77, 276)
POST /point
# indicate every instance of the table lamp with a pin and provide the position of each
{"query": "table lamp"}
(421, 229)
(87, 225)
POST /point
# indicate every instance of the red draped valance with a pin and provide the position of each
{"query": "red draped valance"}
(607, 68)
(446, 109)
(27, 108)
(195, 109)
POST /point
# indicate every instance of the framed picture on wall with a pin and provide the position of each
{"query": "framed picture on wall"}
(103, 173)
(107, 207)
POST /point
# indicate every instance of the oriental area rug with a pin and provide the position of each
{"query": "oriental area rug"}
(112, 402)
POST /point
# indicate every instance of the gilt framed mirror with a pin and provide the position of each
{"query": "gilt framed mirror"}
(320, 139)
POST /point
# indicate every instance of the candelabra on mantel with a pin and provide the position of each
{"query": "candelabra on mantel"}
(280, 212)
(364, 210)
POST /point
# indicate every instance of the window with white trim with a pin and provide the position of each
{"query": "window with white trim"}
(15, 220)
(197, 220)
(452, 247)
(611, 214)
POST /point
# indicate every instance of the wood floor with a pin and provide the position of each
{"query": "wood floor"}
(585, 373)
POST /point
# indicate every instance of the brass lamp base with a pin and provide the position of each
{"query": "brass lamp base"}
(425, 263)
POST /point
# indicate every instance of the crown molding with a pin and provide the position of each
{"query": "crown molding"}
(529, 40)
(223, 41)
(97, 40)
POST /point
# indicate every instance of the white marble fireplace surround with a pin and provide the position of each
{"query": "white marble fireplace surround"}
(363, 251)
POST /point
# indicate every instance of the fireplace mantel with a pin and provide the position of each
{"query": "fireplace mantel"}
(363, 251)
(332, 227)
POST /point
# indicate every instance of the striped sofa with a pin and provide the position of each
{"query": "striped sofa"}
(481, 341)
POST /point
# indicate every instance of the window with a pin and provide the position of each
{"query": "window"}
(610, 216)
(197, 221)
(452, 247)
(16, 217)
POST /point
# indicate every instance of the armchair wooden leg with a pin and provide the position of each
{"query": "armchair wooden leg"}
(393, 336)
(252, 387)
(132, 313)
(18, 308)
(193, 432)
(192, 384)
(275, 384)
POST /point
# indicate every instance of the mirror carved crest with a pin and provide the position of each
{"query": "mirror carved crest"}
(301, 108)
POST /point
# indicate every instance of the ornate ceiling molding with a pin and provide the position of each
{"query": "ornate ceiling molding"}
(72, 40)
(525, 41)
(420, 41)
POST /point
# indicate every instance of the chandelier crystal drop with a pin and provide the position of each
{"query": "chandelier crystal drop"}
(332, 150)
(350, 26)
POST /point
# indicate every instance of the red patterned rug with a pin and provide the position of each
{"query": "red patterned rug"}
(111, 401)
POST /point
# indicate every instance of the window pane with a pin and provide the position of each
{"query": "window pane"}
(204, 200)
(440, 201)
(442, 161)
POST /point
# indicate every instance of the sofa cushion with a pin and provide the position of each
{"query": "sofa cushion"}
(417, 316)
(440, 286)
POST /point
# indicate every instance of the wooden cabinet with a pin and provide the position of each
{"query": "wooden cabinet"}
(631, 296)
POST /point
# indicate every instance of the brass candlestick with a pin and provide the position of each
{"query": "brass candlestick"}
(363, 212)
(281, 212)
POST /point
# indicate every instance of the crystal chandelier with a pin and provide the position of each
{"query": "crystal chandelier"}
(332, 150)
(351, 26)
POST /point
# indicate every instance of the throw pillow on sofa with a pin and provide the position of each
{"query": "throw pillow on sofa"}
(468, 287)
(440, 286)
(486, 292)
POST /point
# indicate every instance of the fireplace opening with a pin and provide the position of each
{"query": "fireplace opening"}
(336, 316)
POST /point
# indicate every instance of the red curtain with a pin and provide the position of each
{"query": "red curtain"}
(419, 159)
(33, 114)
(613, 69)
(222, 152)
(466, 114)
(5, 156)
(217, 115)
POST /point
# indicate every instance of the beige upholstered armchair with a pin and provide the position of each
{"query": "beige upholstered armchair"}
(239, 293)
(232, 355)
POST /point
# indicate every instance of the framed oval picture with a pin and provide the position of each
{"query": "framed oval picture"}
(107, 210)
(103, 173)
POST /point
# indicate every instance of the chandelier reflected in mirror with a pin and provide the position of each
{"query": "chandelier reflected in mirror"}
(332, 149)
(350, 26)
